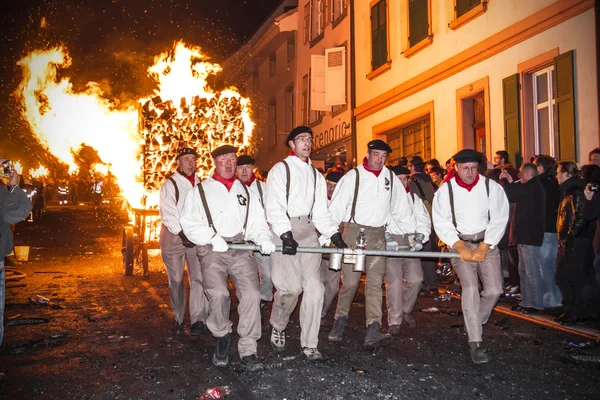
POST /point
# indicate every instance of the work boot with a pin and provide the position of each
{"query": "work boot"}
(394, 330)
(278, 339)
(312, 353)
(410, 320)
(252, 364)
(477, 353)
(198, 328)
(375, 338)
(221, 355)
(337, 332)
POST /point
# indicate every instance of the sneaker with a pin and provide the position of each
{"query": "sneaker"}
(278, 339)
(198, 328)
(375, 338)
(477, 353)
(337, 332)
(514, 290)
(410, 320)
(312, 353)
(177, 328)
(394, 330)
(252, 364)
(221, 355)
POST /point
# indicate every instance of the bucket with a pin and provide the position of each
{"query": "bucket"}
(360, 263)
(335, 261)
(22, 253)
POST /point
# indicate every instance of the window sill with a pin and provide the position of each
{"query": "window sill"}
(317, 39)
(340, 110)
(379, 70)
(468, 16)
(411, 51)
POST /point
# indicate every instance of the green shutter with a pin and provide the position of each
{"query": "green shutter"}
(418, 21)
(462, 6)
(512, 118)
(374, 39)
(564, 117)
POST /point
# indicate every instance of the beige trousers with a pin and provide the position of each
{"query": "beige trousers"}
(401, 298)
(175, 255)
(241, 268)
(477, 307)
(265, 284)
(297, 274)
(375, 269)
(331, 283)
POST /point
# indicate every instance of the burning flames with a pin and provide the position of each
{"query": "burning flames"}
(139, 145)
(40, 172)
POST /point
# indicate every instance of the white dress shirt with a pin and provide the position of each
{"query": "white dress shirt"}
(422, 221)
(168, 208)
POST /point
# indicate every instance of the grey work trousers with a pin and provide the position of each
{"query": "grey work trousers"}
(331, 282)
(241, 268)
(477, 307)
(265, 283)
(297, 274)
(375, 269)
(175, 255)
(402, 297)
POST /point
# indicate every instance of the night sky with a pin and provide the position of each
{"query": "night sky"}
(113, 42)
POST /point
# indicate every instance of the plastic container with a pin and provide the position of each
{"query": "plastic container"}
(22, 253)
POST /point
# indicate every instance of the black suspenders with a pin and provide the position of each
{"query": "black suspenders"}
(451, 195)
(207, 210)
(287, 188)
(357, 184)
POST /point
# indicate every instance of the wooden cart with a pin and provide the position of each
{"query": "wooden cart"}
(139, 238)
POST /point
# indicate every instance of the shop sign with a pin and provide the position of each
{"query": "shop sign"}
(333, 134)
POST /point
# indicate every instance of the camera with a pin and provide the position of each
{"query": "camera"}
(6, 167)
(595, 187)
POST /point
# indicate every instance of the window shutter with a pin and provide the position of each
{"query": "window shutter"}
(564, 117)
(335, 76)
(512, 118)
(317, 83)
(462, 6)
(418, 21)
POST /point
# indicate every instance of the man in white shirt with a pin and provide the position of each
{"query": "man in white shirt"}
(223, 210)
(364, 199)
(470, 213)
(176, 249)
(245, 174)
(404, 276)
(296, 205)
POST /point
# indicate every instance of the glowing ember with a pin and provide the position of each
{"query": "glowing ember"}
(17, 166)
(40, 172)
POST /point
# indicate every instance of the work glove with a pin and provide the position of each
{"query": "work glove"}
(267, 247)
(480, 252)
(288, 244)
(416, 241)
(463, 251)
(390, 243)
(219, 244)
(337, 240)
(185, 241)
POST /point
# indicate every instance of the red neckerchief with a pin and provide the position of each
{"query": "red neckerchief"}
(249, 181)
(407, 188)
(191, 178)
(227, 182)
(376, 173)
(448, 176)
(296, 155)
(464, 185)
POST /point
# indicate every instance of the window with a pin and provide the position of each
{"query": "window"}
(272, 64)
(305, 100)
(338, 10)
(291, 48)
(466, 10)
(290, 101)
(306, 26)
(411, 140)
(418, 21)
(379, 53)
(317, 8)
(545, 108)
(462, 6)
(272, 124)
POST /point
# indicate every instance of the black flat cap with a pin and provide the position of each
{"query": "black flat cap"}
(467, 155)
(400, 170)
(185, 151)
(245, 160)
(225, 149)
(416, 161)
(334, 176)
(297, 131)
(378, 144)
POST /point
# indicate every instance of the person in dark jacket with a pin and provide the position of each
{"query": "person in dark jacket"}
(546, 167)
(530, 211)
(591, 209)
(574, 272)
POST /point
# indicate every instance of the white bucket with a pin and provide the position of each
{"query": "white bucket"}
(22, 253)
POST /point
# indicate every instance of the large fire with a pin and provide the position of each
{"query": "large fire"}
(139, 144)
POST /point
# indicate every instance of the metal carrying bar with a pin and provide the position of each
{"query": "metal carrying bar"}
(329, 250)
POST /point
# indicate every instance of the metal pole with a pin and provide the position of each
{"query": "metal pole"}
(329, 250)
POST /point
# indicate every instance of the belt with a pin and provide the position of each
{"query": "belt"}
(474, 241)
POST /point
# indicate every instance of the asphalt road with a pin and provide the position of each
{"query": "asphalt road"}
(107, 336)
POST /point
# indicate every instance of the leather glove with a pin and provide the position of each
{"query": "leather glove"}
(463, 251)
(288, 244)
(267, 247)
(337, 240)
(480, 252)
(185, 241)
(390, 243)
(219, 244)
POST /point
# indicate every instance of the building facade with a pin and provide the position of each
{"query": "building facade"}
(435, 76)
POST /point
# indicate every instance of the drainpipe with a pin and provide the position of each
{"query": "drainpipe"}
(597, 21)
(353, 84)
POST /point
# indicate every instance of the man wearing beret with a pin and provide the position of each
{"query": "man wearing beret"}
(470, 213)
(363, 200)
(245, 174)
(296, 205)
(222, 210)
(176, 249)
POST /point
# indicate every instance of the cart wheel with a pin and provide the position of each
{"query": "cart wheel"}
(127, 250)
(145, 259)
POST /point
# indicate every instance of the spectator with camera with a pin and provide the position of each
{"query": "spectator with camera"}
(14, 207)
